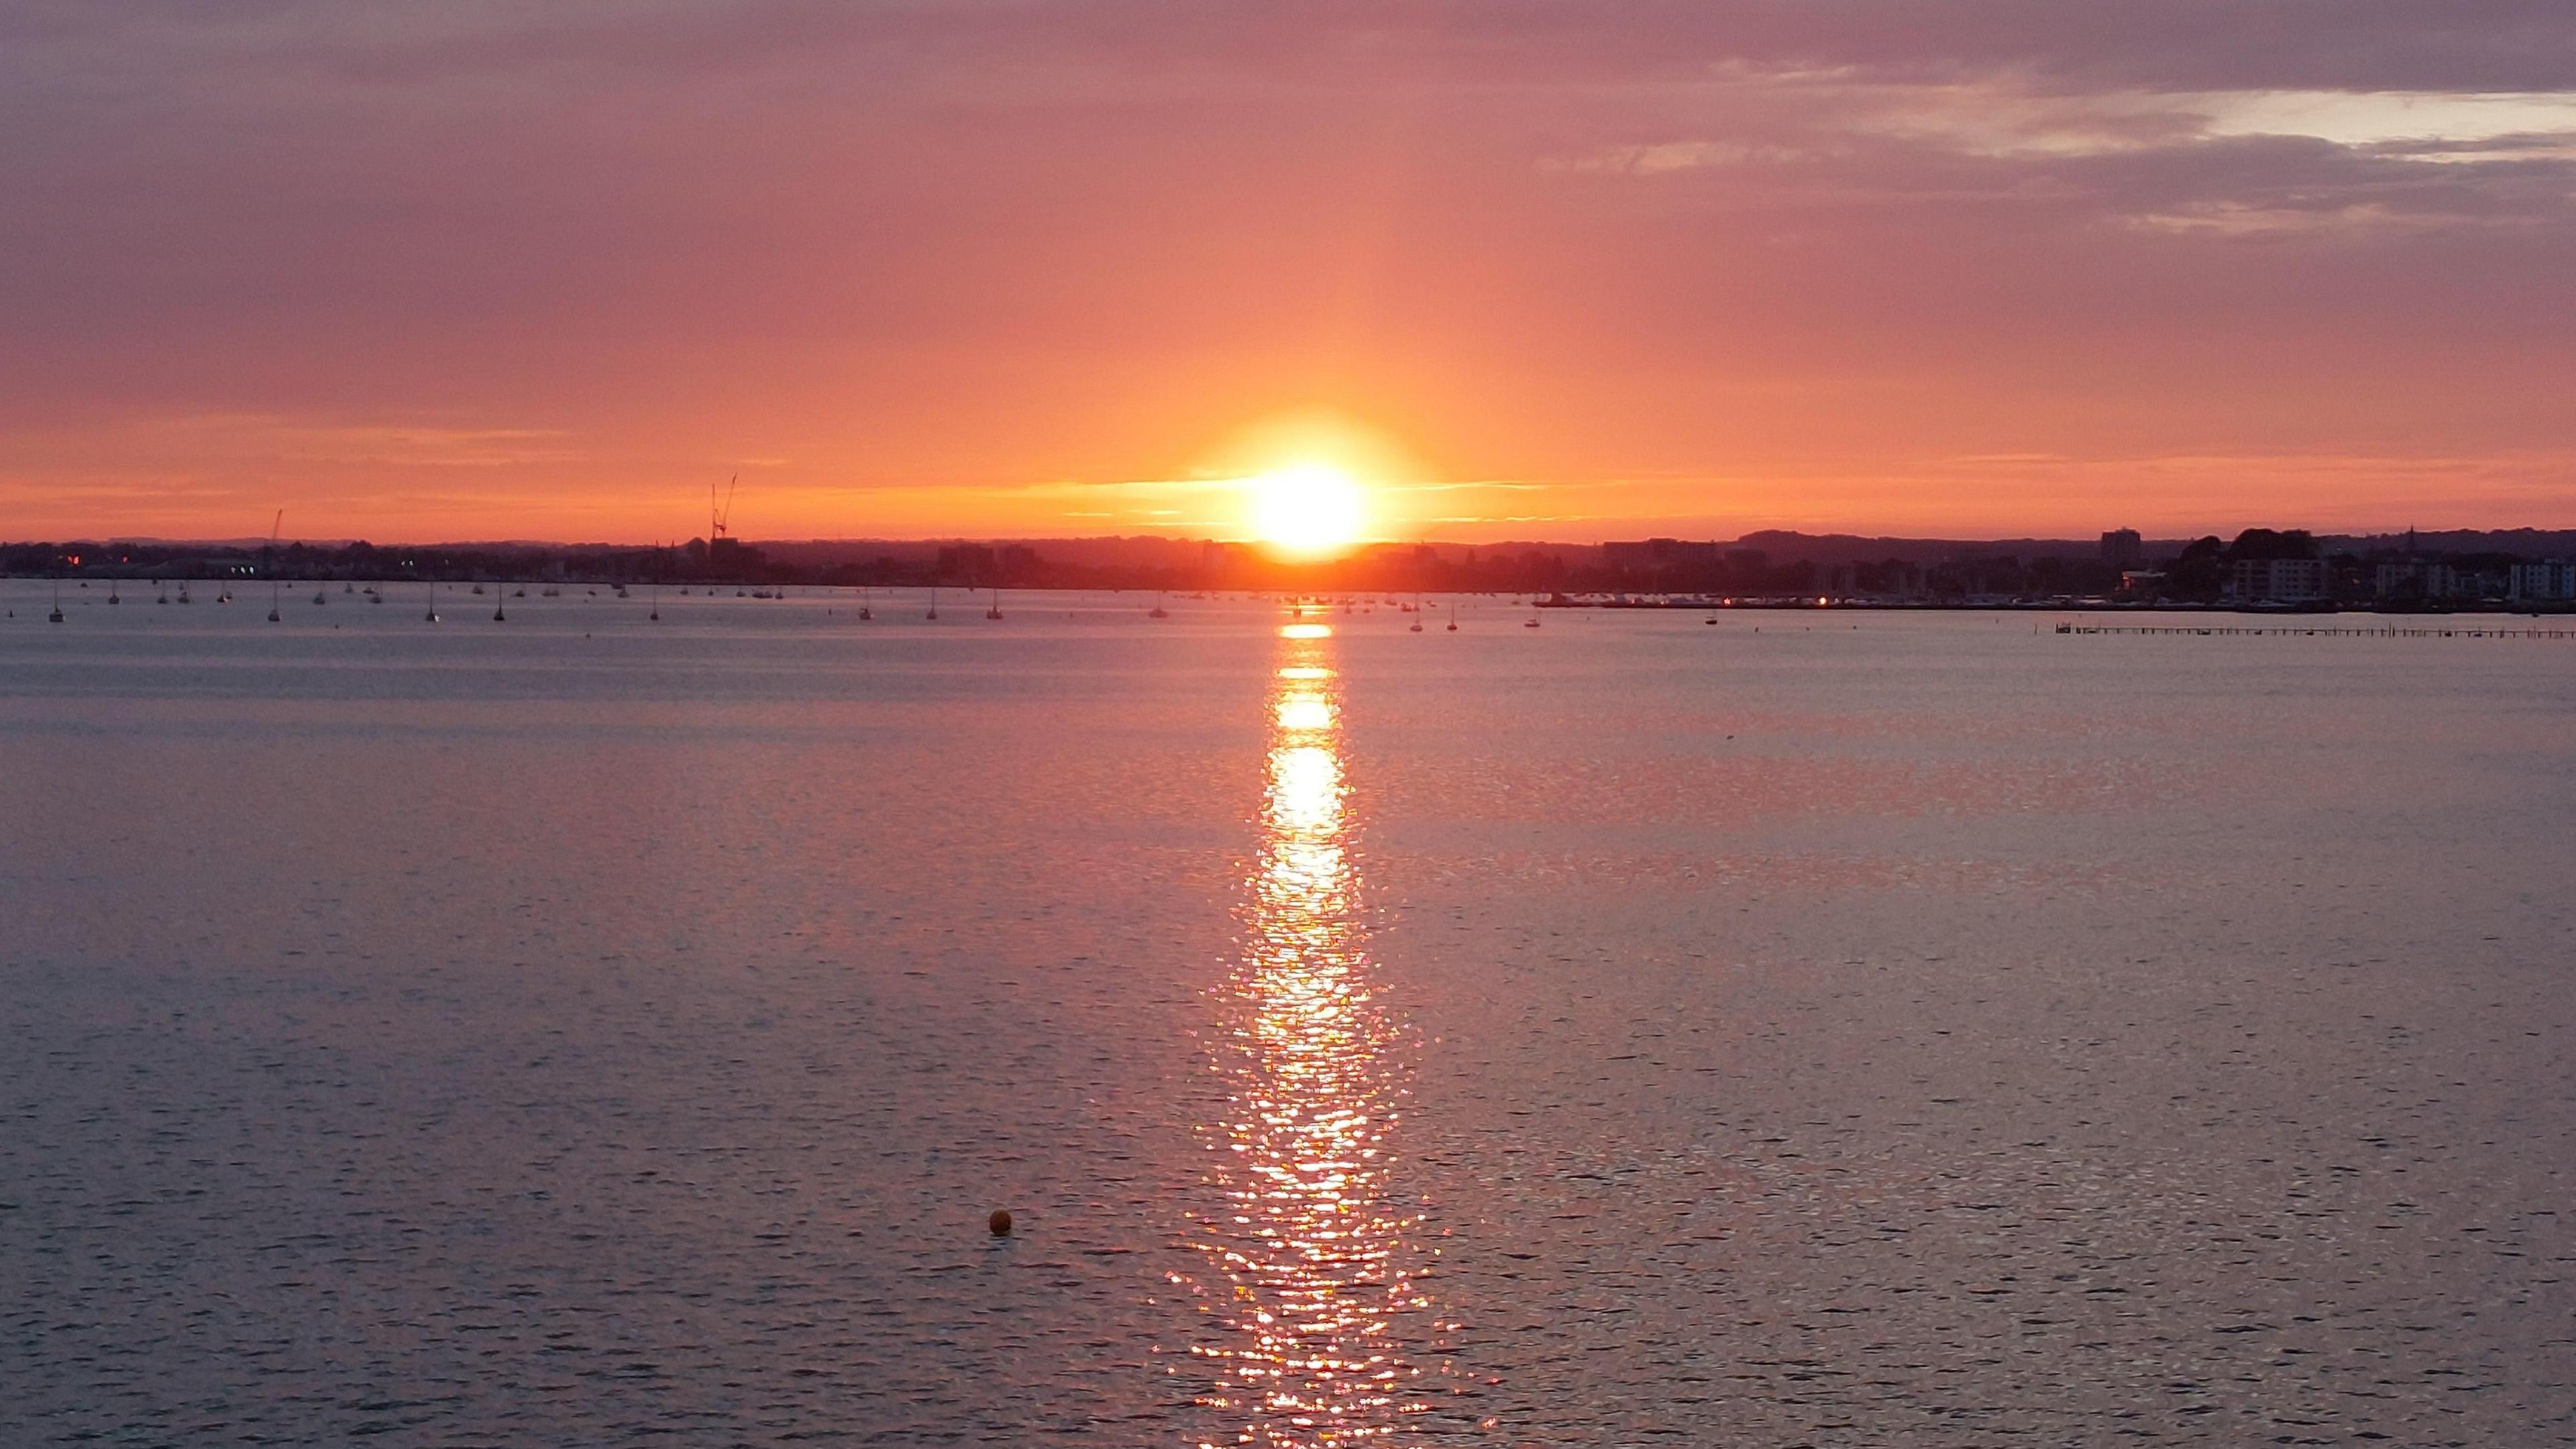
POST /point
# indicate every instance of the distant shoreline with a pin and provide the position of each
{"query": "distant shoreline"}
(2034, 606)
(2261, 570)
(1330, 599)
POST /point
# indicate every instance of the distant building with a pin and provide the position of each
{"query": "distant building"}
(718, 558)
(1658, 553)
(2280, 580)
(2411, 579)
(2430, 579)
(2551, 581)
(968, 563)
(2122, 548)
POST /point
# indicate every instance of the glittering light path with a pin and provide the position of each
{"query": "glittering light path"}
(1318, 1332)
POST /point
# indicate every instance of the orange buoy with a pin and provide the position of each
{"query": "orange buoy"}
(999, 1222)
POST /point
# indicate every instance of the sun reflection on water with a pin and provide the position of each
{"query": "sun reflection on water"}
(1327, 1336)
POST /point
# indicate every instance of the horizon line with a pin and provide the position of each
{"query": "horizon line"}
(1356, 547)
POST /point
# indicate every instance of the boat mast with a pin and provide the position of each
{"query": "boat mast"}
(274, 525)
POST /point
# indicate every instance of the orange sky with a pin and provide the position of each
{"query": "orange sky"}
(1558, 270)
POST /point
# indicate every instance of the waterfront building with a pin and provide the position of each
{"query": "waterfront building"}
(2427, 579)
(2280, 580)
(2550, 581)
(2416, 579)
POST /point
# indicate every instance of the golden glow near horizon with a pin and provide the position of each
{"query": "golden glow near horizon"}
(1321, 1334)
(1307, 509)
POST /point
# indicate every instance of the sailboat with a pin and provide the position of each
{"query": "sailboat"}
(1158, 611)
(1416, 611)
(995, 612)
(934, 603)
(57, 615)
(432, 615)
(111, 591)
(1453, 618)
(183, 593)
(268, 561)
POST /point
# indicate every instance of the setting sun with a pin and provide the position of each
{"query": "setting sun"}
(1309, 508)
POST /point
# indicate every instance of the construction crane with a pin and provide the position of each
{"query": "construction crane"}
(719, 514)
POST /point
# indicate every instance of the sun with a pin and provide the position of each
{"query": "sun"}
(1307, 508)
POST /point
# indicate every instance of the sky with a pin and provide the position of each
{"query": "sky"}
(1566, 269)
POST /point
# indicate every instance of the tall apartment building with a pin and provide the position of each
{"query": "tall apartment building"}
(2551, 581)
(2280, 580)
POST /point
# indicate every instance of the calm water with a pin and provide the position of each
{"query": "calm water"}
(1805, 1030)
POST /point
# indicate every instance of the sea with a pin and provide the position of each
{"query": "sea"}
(592, 1020)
